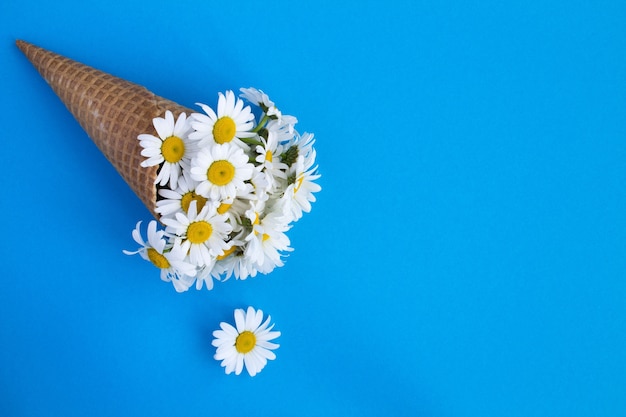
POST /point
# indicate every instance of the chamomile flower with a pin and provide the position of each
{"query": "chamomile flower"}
(256, 188)
(221, 171)
(257, 97)
(232, 122)
(179, 199)
(305, 147)
(282, 129)
(247, 343)
(298, 195)
(171, 148)
(268, 159)
(205, 232)
(267, 240)
(216, 271)
(228, 208)
(232, 262)
(262, 100)
(289, 122)
(298, 146)
(171, 260)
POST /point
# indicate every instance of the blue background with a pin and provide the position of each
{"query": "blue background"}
(464, 258)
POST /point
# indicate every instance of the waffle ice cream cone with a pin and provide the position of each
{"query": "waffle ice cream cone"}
(111, 110)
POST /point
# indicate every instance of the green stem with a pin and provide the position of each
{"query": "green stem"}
(261, 123)
(250, 141)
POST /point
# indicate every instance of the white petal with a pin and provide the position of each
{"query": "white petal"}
(251, 364)
(239, 365)
(266, 353)
(240, 320)
(163, 128)
(229, 329)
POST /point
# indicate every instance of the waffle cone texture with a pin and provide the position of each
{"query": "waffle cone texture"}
(111, 110)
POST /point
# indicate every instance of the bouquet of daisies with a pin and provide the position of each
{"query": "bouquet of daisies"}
(229, 189)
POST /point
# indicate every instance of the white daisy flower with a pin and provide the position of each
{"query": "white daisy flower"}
(298, 195)
(228, 208)
(247, 344)
(257, 97)
(305, 146)
(221, 171)
(174, 201)
(268, 160)
(233, 262)
(298, 146)
(205, 233)
(263, 101)
(289, 122)
(267, 240)
(256, 188)
(232, 122)
(283, 130)
(171, 260)
(220, 270)
(171, 148)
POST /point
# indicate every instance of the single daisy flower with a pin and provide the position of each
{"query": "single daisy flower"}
(262, 100)
(221, 171)
(204, 232)
(298, 146)
(256, 188)
(171, 148)
(282, 129)
(170, 259)
(233, 262)
(257, 97)
(174, 201)
(268, 159)
(228, 208)
(247, 344)
(232, 122)
(213, 272)
(298, 195)
(267, 240)
(305, 146)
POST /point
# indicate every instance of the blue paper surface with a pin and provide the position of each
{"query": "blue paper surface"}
(466, 256)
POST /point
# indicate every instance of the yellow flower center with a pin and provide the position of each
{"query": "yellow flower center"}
(199, 232)
(190, 196)
(265, 237)
(221, 172)
(298, 184)
(224, 130)
(158, 259)
(227, 253)
(245, 342)
(269, 156)
(173, 149)
(223, 208)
